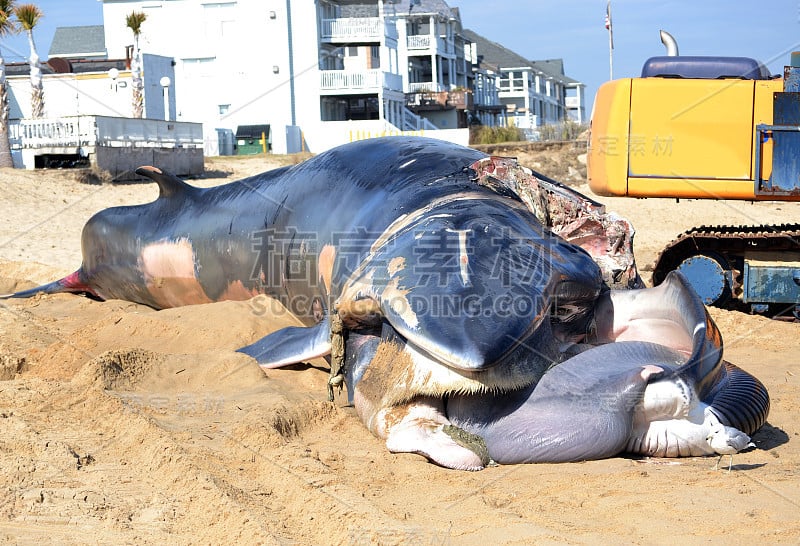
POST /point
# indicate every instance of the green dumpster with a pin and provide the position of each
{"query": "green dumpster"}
(252, 139)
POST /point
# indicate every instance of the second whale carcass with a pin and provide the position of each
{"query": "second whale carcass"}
(441, 271)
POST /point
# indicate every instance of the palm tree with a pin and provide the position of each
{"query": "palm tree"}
(28, 16)
(7, 27)
(134, 22)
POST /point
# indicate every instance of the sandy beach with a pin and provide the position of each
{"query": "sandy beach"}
(124, 425)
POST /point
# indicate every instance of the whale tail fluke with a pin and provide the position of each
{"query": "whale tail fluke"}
(73, 283)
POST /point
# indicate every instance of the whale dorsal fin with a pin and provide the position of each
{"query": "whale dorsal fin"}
(168, 183)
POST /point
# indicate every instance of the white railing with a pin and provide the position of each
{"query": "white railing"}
(148, 133)
(347, 80)
(485, 97)
(419, 41)
(72, 131)
(423, 41)
(421, 87)
(413, 122)
(357, 28)
(350, 79)
(104, 131)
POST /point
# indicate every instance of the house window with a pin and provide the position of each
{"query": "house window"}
(219, 20)
(330, 59)
(504, 81)
(330, 11)
(517, 80)
(199, 67)
(352, 51)
(224, 109)
(375, 56)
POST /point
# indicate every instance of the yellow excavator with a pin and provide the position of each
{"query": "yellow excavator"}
(696, 127)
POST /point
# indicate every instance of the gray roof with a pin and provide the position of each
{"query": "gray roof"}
(78, 42)
(495, 54)
(360, 8)
(551, 67)
(425, 7)
(554, 68)
(492, 53)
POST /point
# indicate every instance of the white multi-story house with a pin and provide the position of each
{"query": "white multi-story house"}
(444, 82)
(486, 109)
(438, 81)
(571, 100)
(306, 68)
(359, 75)
(534, 93)
(309, 74)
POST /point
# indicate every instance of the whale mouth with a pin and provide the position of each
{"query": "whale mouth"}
(429, 375)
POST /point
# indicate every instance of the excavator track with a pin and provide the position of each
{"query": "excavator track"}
(726, 245)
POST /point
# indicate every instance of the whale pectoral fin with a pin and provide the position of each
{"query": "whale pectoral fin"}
(291, 345)
(582, 409)
(421, 427)
(593, 423)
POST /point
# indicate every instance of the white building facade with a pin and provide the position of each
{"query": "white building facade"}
(232, 62)
(532, 99)
(314, 70)
(94, 92)
(296, 66)
(532, 93)
(88, 118)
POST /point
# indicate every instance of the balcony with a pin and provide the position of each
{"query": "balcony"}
(357, 29)
(344, 82)
(440, 100)
(427, 43)
(425, 87)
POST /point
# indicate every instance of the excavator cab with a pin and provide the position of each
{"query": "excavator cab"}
(686, 128)
(709, 128)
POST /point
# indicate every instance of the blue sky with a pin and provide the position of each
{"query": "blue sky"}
(57, 13)
(767, 30)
